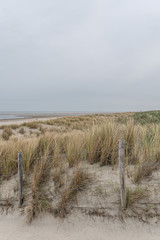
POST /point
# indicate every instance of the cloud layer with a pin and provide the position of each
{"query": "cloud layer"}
(95, 55)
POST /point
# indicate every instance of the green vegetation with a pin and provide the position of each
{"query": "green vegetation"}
(147, 117)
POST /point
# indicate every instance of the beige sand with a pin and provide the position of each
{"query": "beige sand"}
(21, 121)
(78, 226)
(75, 228)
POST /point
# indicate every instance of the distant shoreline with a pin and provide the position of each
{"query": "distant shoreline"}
(31, 117)
(40, 115)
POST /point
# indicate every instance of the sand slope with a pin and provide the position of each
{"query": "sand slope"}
(78, 225)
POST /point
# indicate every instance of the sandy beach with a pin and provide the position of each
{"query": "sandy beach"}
(75, 228)
(32, 117)
(24, 120)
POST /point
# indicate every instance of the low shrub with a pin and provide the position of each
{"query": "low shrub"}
(21, 130)
(7, 132)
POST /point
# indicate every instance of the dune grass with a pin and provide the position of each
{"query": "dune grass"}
(96, 143)
(79, 181)
(134, 196)
(147, 117)
(90, 139)
(38, 203)
(7, 133)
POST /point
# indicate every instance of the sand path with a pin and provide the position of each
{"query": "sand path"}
(76, 228)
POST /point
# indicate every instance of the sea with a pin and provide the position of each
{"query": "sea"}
(10, 115)
(4, 115)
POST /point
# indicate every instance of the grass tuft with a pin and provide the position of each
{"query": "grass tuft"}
(21, 130)
(7, 133)
(78, 183)
(134, 196)
(144, 171)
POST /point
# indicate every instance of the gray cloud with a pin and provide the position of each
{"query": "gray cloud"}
(93, 55)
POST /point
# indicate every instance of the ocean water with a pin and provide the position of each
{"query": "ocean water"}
(25, 114)
(3, 116)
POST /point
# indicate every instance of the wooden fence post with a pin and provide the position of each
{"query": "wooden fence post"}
(20, 178)
(122, 173)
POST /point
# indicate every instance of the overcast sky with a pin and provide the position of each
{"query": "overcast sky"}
(78, 55)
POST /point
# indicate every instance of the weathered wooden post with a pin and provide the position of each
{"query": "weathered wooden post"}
(20, 178)
(122, 173)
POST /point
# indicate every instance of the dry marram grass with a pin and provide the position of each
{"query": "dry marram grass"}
(54, 155)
